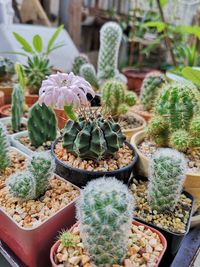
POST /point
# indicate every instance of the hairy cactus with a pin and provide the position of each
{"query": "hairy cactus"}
(92, 137)
(6, 68)
(4, 145)
(17, 107)
(105, 210)
(68, 239)
(88, 72)
(166, 177)
(115, 99)
(178, 106)
(78, 62)
(151, 88)
(41, 125)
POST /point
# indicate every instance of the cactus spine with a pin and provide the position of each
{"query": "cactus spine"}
(17, 107)
(88, 72)
(166, 177)
(42, 124)
(4, 145)
(105, 210)
(78, 62)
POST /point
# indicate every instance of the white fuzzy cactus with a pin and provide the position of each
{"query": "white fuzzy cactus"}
(4, 146)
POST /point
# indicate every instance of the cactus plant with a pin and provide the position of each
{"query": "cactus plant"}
(92, 137)
(41, 125)
(68, 239)
(178, 106)
(151, 88)
(4, 145)
(88, 72)
(78, 62)
(166, 177)
(6, 68)
(105, 210)
(17, 107)
(115, 99)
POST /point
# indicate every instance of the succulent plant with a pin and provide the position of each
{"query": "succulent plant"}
(42, 124)
(92, 137)
(166, 177)
(151, 88)
(68, 239)
(4, 145)
(88, 72)
(17, 107)
(105, 210)
(115, 99)
(78, 62)
(36, 70)
(6, 68)
(175, 111)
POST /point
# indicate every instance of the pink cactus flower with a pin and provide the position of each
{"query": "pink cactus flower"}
(63, 89)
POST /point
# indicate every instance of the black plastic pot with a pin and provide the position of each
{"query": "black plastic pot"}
(80, 177)
(96, 101)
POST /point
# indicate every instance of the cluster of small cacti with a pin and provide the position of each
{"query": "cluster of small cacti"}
(4, 145)
(92, 137)
(151, 89)
(105, 210)
(79, 61)
(176, 121)
(33, 182)
(166, 177)
(6, 68)
(17, 107)
(115, 99)
(42, 124)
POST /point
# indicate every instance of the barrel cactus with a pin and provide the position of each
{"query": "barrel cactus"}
(92, 137)
(6, 68)
(178, 106)
(151, 88)
(78, 62)
(88, 72)
(17, 107)
(4, 145)
(166, 177)
(105, 210)
(41, 125)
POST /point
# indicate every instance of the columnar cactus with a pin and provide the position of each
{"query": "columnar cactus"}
(178, 106)
(115, 99)
(78, 62)
(6, 68)
(88, 72)
(105, 210)
(92, 137)
(41, 125)
(4, 145)
(151, 88)
(17, 107)
(166, 177)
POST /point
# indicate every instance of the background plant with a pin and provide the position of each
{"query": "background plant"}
(6, 68)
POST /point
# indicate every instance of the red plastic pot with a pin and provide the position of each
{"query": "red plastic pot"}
(5, 111)
(32, 245)
(31, 99)
(162, 238)
(61, 117)
(2, 99)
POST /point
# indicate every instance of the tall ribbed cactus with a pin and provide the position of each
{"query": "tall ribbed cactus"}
(17, 107)
(110, 38)
(78, 62)
(92, 137)
(166, 177)
(4, 145)
(178, 105)
(88, 72)
(151, 88)
(41, 125)
(105, 210)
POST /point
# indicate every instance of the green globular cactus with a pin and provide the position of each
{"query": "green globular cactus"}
(93, 137)
(110, 38)
(17, 107)
(166, 177)
(105, 210)
(180, 140)
(41, 125)
(88, 72)
(6, 68)
(195, 126)
(115, 99)
(68, 239)
(78, 62)
(151, 89)
(4, 146)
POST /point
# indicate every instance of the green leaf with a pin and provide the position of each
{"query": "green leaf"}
(20, 74)
(70, 112)
(194, 30)
(159, 25)
(192, 75)
(37, 43)
(53, 38)
(56, 47)
(14, 53)
(25, 45)
(163, 2)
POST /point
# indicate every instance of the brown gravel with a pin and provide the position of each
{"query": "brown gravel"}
(144, 250)
(32, 212)
(27, 143)
(148, 147)
(129, 122)
(10, 130)
(172, 221)
(121, 159)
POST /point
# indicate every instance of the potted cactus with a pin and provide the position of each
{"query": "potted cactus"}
(35, 205)
(105, 234)
(161, 202)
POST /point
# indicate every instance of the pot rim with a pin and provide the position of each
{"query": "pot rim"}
(137, 116)
(4, 107)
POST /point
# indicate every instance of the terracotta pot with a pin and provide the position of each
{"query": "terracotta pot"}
(162, 238)
(31, 99)
(145, 114)
(32, 245)
(192, 182)
(2, 99)
(61, 117)
(135, 77)
(5, 111)
(7, 90)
